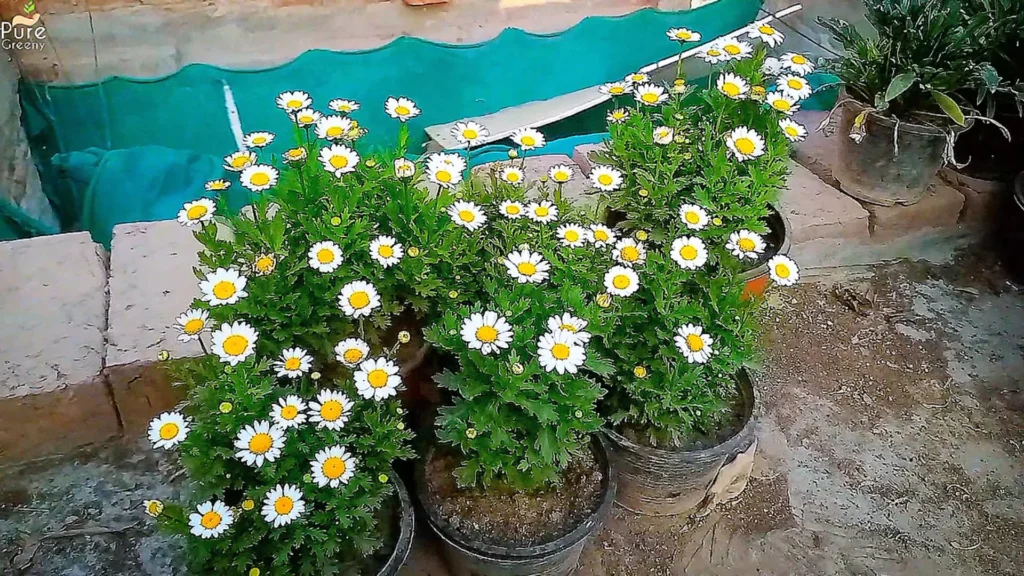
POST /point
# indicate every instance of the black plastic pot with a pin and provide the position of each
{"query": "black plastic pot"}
(468, 557)
(657, 482)
(406, 529)
(778, 239)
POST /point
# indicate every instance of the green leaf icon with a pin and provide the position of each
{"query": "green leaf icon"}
(30, 6)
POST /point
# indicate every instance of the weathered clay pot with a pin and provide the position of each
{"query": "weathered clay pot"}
(778, 235)
(657, 482)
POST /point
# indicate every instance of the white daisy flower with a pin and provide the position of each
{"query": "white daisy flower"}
(528, 138)
(168, 430)
(602, 235)
(543, 211)
(621, 281)
(689, 252)
(605, 178)
(307, 117)
(259, 177)
(445, 169)
(339, 159)
(694, 344)
(192, 213)
(650, 94)
(288, 412)
(223, 287)
(683, 35)
(693, 216)
(154, 508)
(470, 133)
(771, 66)
(333, 127)
(211, 519)
(386, 251)
(745, 244)
(258, 139)
(343, 106)
(782, 103)
(783, 270)
(351, 351)
(511, 209)
(377, 378)
(636, 78)
(401, 108)
(283, 505)
(560, 173)
(663, 135)
(572, 235)
(258, 443)
(713, 53)
(618, 115)
(217, 185)
(767, 34)
(486, 332)
(615, 88)
(358, 299)
(732, 85)
(192, 323)
(264, 264)
(325, 256)
(333, 467)
(239, 161)
(737, 49)
(294, 101)
(512, 175)
(467, 215)
(796, 87)
(745, 144)
(630, 252)
(797, 63)
(234, 342)
(526, 266)
(572, 324)
(404, 168)
(295, 155)
(560, 351)
(294, 362)
(330, 410)
(794, 132)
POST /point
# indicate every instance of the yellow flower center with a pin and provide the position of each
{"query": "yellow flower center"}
(526, 268)
(799, 60)
(605, 179)
(344, 108)
(248, 505)
(196, 212)
(569, 328)
(210, 520)
(794, 84)
(618, 114)
(377, 378)
(169, 431)
(637, 78)
(264, 264)
(402, 110)
(334, 131)
(260, 443)
(193, 326)
(467, 215)
(284, 505)
(353, 355)
(240, 161)
(560, 351)
(385, 251)
(601, 235)
(731, 49)
(616, 90)
(746, 244)
(694, 342)
(561, 176)
(744, 145)
(292, 363)
(766, 29)
(782, 270)
(731, 89)
(572, 236)
(331, 410)
(289, 412)
(155, 508)
(683, 35)
(621, 281)
(294, 103)
(338, 161)
(218, 185)
(782, 104)
(325, 256)
(692, 217)
(259, 140)
(334, 467)
(792, 131)
(446, 176)
(260, 179)
(512, 176)
(359, 299)
(512, 209)
(294, 153)
(649, 97)
(541, 211)
(486, 334)
(470, 134)
(306, 118)
(528, 140)
(714, 52)
(235, 344)
(688, 252)
(630, 254)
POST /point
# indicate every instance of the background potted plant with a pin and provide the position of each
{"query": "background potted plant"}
(907, 93)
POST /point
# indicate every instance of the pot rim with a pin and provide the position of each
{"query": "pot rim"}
(584, 529)
(905, 125)
(751, 405)
(406, 530)
(762, 269)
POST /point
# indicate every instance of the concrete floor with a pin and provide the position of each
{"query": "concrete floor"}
(891, 443)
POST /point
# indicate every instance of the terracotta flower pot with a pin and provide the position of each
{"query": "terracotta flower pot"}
(778, 238)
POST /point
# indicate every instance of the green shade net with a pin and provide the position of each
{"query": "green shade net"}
(153, 125)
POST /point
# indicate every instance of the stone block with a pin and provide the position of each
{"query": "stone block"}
(816, 210)
(581, 156)
(151, 283)
(578, 190)
(53, 396)
(940, 208)
(983, 199)
(818, 152)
